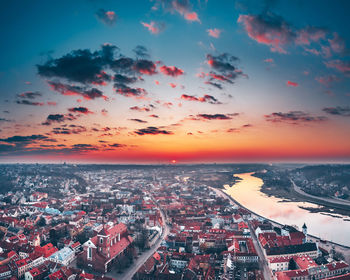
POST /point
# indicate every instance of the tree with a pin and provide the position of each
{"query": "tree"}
(41, 222)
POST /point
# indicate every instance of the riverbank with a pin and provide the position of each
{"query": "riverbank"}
(291, 194)
(343, 249)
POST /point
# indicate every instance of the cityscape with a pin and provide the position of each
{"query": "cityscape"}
(175, 140)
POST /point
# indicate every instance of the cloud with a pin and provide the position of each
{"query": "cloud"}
(106, 17)
(24, 139)
(338, 111)
(52, 118)
(341, 66)
(122, 79)
(87, 93)
(201, 117)
(81, 66)
(72, 129)
(58, 118)
(30, 95)
(337, 43)
(116, 145)
(151, 130)
(144, 66)
(294, 117)
(80, 110)
(292, 84)
(27, 102)
(226, 69)
(272, 30)
(214, 32)
(171, 71)
(269, 60)
(141, 51)
(154, 116)
(327, 80)
(142, 109)
(131, 92)
(193, 16)
(4, 120)
(154, 27)
(138, 120)
(206, 98)
(183, 7)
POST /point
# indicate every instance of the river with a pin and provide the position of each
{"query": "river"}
(248, 193)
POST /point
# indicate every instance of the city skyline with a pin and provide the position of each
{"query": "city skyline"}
(164, 81)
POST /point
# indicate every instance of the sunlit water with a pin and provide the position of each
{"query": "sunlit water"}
(247, 192)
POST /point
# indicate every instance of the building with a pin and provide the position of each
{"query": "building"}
(64, 256)
(103, 250)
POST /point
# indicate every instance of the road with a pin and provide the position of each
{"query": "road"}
(262, 260)
(341, 202)
(129, 272)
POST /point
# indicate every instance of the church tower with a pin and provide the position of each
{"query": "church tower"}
(103, 242)
(305, 233)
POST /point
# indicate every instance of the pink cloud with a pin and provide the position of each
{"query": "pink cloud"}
(327, 80)
(171, 71)
(341, 66)
(337, 44)
(154, 27)
(269, 60)
(292, 84)
(214, 32)
(192, 16)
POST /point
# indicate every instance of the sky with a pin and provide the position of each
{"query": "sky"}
(168, 81)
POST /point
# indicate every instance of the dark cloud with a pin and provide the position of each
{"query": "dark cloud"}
(116, 145)
(206, 98)
(80, 110)
(224, 70)
(143, 108)
(218, 86)
(54, 118)
(294, 117)
(73, 129)
(152, 131)
(144, 66)
(338, 111)
(58, 118)
(171, 71)
(30, 95)
(24, 139)
(4, 120)
(27, 102)
(81, 66)
(131, 92)
(213, 116)
(84, 147)
(123, 65)
(122, 79)
(154, 116)
(106, 17)
(138, 120)
(141, 52)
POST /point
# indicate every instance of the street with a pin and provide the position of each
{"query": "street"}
(128, 273)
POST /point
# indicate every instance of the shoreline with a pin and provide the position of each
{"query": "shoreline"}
(344, 249)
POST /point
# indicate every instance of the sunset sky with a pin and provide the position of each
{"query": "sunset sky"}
(162, 80)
